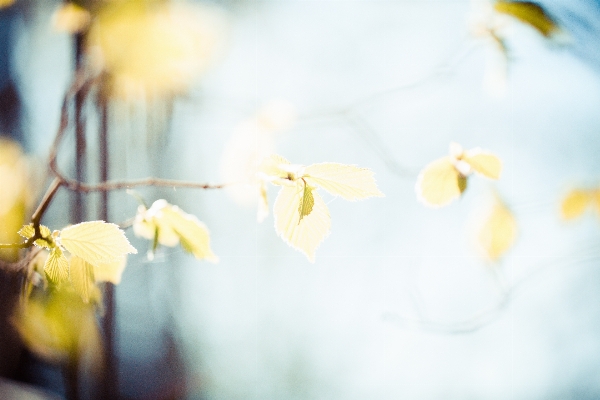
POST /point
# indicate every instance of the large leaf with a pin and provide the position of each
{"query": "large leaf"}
(439, 183)
(96, 241)
(304, 234)
(347, 181)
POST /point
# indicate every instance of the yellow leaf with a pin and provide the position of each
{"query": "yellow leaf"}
(274, 166)
(304, 234)
(483, 163)
(82, 277)
(27, 231)
(57, 266)
(193, 234)
(498, 231)
(575, 203)
(71, 18)
(439, 183)
(530, 14)
(173, 227)
(6, 3)
(60, 327)
(110, 271)
(347, 181)
(96, 241)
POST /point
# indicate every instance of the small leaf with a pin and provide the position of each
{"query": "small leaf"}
(529, 13)
(347, 181)
(304, 234)
(483, 163)
(575, 203)
(439, 183)
(498, 232)
(306, 202)
(6, 3)
(57, 266)
(82, 278)
(96, 241)
(27, 231)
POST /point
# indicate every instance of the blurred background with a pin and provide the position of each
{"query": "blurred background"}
(400, 302)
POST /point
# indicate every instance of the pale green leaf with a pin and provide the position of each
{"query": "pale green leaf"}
(57, 266)
(304, 234)
(307, 202)
(27, 231)
(498, 232)
(82, 277)
(347, 181)
(96, 241)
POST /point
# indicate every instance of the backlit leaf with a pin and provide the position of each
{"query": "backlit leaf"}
(498, 231)
(274, 166)
(57, 266)
(439, 183)
(27, 231)
(304, 234)
(96, 241)
(529, 13)
(483, 163)
(575, 203)
(82, 277)
(111, 271)
(193, 234)
(347, 181)
(6, 3)
(307, 202)
(174, 227)
(263, 203)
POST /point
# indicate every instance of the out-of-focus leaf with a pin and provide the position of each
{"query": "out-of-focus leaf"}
(263, 202)
(347, 181)
(96, 241)
(304, 234)
(274, 166)
(60, 327)
(71, 18)
(575, 203)
(6, 3)
(156, 49)
(483, 163)
(439, 183)
(445, 179)
(498, 231)
(529, 13)
(57, 266)
(110, 271)
(173, 227)
(82, 277)
(28, 231)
